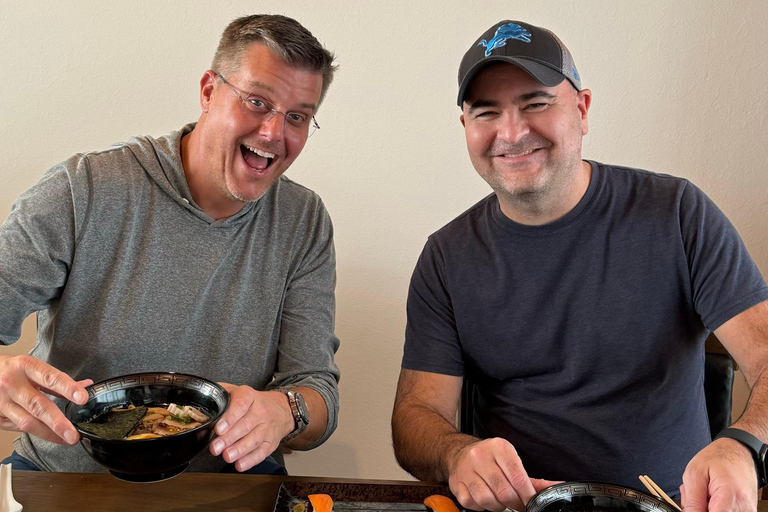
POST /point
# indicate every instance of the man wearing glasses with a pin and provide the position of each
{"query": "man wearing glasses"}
(188, 253)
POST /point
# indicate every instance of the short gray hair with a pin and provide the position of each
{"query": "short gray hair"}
(284, 36)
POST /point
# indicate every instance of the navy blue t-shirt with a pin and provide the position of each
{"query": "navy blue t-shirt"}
(585, 337)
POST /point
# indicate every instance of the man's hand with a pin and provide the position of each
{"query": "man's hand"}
(720, 478)
(253, 425)
(489, 475)
(24, 407)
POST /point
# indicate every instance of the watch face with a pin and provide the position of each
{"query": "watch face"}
(302, 406)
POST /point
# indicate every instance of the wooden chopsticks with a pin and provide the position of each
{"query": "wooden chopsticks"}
(656, 491)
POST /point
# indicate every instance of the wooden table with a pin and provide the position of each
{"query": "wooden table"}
(189, 492)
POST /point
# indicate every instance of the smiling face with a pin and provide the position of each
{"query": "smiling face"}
(233, 155)
(524, 139)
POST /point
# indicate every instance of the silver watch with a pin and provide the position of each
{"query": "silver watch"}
(300, 413)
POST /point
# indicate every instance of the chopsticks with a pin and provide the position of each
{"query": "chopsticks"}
(656, 491)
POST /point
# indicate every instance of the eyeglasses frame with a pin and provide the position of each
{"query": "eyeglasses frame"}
(244, 96)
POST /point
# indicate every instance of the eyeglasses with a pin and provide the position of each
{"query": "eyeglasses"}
(263, 110)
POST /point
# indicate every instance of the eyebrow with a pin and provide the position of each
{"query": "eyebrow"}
(536, 94)
(475, 105)
(261, 85)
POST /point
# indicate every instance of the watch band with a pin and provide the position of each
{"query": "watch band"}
(300, 415)
(756, 446)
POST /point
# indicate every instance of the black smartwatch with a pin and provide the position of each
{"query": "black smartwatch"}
(299, 411)
(755, 446)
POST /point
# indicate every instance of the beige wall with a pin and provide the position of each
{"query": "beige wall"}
(678, 86)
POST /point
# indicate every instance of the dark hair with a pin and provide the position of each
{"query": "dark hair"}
(285, 36)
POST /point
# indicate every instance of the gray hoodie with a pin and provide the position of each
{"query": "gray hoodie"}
(128, 274)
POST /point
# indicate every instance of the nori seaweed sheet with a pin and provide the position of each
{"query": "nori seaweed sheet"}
(114, 424)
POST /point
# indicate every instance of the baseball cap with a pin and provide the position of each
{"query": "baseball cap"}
(536, 50)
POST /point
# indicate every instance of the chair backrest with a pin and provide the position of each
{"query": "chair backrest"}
(719, 368)
(467, 410)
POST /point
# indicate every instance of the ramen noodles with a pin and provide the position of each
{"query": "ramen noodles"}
(145, 422)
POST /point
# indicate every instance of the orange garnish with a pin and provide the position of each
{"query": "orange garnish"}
(440, 503)
(321, 502)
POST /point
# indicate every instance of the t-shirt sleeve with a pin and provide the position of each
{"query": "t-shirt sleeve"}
(37, 244)
(725, 280)
(431, 335)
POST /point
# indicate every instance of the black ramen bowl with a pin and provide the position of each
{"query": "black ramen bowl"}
(149, 460)
(594, 496)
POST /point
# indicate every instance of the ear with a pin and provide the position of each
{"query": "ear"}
(461, 118)
(585, 100)
(207, 83)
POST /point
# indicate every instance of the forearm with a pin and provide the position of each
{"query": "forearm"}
(755, 417)
(426, 444)
(745, 336)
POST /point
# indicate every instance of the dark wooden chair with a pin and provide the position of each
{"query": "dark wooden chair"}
(719, 369)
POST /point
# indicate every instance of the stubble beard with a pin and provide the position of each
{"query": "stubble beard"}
(230, 190)
(549, 187)
(552, 182)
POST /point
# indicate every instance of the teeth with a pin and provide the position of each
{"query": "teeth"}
(260, 152)
(519, 155)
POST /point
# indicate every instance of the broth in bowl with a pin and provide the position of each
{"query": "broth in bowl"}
(132, 423)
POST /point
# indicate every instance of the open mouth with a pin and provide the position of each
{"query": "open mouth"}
(518, 155)
(256, 159)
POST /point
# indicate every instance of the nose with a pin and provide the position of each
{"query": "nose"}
(512, 126)
(272, 126)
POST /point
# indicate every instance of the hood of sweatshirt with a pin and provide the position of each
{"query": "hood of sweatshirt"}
(161, 160)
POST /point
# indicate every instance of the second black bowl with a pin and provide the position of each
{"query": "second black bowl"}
(602, 496)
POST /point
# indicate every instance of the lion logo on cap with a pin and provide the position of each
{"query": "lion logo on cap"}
(504, 32)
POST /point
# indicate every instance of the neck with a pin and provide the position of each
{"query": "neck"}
(199, 179)
(539, 208)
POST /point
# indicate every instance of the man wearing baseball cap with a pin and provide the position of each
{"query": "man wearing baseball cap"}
(575, 299)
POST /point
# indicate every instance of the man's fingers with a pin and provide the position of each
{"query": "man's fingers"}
(59, 395)
(235, 422)
(515, 474)
(252, 449)
(248, 440)
(464, 497)
(487, 483)
(240, 440)
(26, 422)
(539, 484)
(249, 436)
(485, 496)
(23, 380)
(252, 458)
(505, 493)
(493, 475)
(42, 409)
(238, 406)
(696, 488)
(55, 382)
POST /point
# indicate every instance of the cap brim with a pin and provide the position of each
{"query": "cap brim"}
(544, 75)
